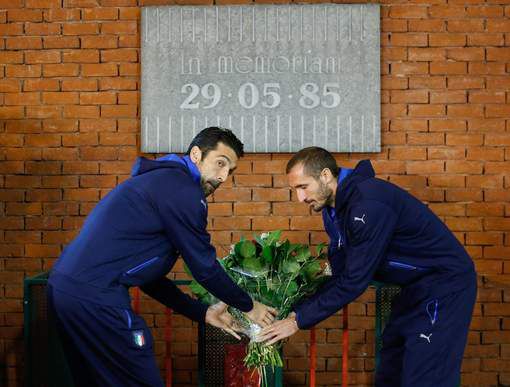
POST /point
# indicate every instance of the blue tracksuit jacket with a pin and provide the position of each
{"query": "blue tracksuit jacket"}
(134, 236)
(380, 232)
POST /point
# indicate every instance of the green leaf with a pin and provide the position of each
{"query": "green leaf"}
(290, 266)
(312, 286)
(231, 260)
(267, 254)
(198, 289)
(268, 239)
(292, 289)
(237, 246)
(252, 265)
(312, 270)
(284, 247)
(292, 250)
(303, 254)
(273, 237)
(246, 249)
(268, 296)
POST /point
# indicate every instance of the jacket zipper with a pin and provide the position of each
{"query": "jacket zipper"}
(340, 238)
(433, 316)
(141, 266)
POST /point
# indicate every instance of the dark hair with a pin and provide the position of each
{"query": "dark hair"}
(314, 160)
(208, 139)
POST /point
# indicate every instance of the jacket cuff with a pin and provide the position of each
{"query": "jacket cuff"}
(300, 321)
(200, 313)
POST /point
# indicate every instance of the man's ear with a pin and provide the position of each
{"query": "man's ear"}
(326, 176)
(195, 154)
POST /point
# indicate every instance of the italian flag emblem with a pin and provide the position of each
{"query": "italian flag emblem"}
(139, 338)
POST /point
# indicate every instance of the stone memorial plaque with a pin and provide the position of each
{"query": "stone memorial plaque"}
(282, 77)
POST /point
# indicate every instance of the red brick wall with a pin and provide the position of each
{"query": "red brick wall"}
(69, 130)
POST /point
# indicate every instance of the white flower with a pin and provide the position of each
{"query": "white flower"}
(264, 235)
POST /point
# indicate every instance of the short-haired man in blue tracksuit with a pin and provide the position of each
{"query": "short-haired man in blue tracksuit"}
(380, 232)
(133, 237)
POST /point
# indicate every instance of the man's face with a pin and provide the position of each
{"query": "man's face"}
(215, 167)
(310, 190)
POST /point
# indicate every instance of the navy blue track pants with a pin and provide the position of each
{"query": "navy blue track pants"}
(104, 346)
(424, 342)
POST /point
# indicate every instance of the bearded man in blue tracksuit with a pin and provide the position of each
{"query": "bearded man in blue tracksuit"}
(380, 232)
(133, 238)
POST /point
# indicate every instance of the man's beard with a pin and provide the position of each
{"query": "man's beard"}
(209, 186)
(324, 196)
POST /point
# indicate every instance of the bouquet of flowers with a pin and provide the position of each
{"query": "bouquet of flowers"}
(274, 272)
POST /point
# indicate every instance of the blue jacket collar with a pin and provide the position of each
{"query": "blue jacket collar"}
(143, 165)
(185, 160)
(346, 189)
(342, 174)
